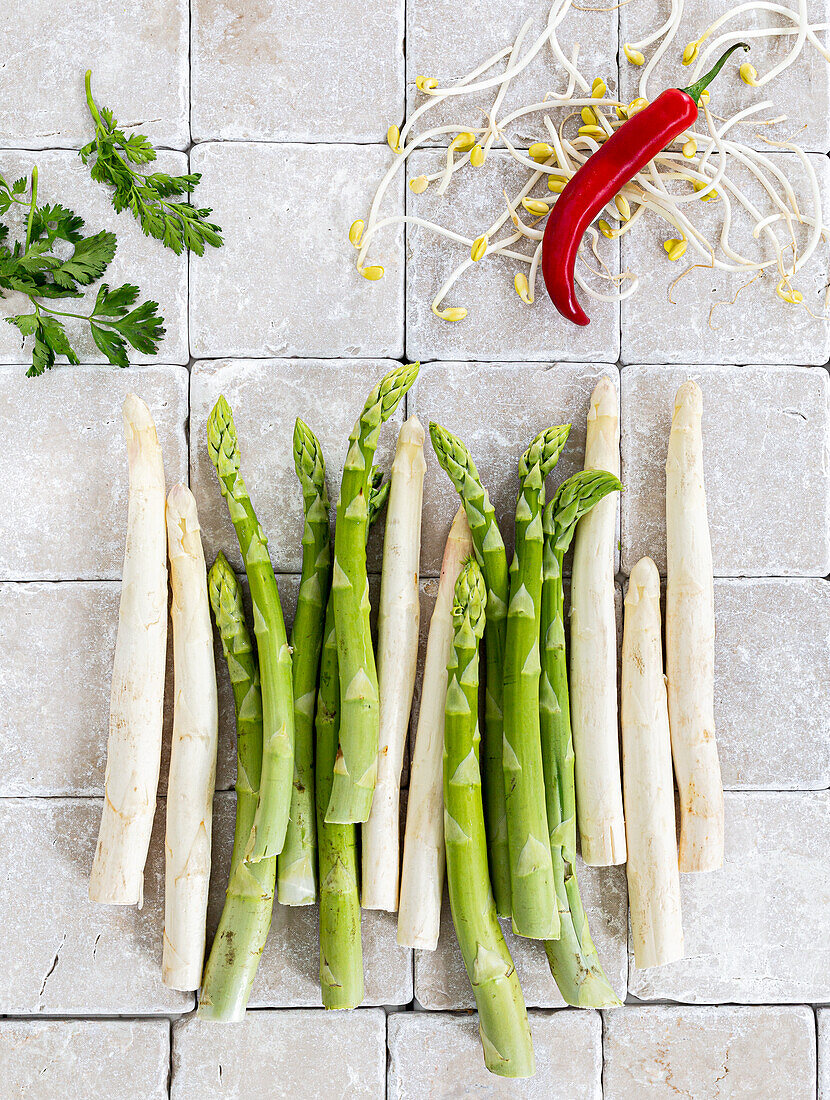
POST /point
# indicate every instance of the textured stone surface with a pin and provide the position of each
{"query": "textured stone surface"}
(824, 1054)
(276, 72)
(765, 438)
(64, 514)
(438, 1057)
(701, 1053)
(266, 398)
(497, 409)
(772, 644)
(61, 955)
(287, 283)
(801, 92)
(755, 930)
(289, 976)
(448, 41)
(441, 981)
(160, 275)
(498, 325)
(715, 316)
(280, 1056)
(43, 70)
(81, 1059)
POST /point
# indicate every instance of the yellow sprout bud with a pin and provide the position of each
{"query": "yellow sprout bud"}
(690, 149)
(356, 231)
(522, 288)
(621, 203)
(425, 83)
(690, 53)
(622, 113)
(372, 273)
(393, 139)
(556, 184)
(463, 142)
(540, 151)
(455, 313)
(675, 248)
(588, 116)
(598, 88)
(418, 184)
(704, 96)
(749, 74)
(476, 156)
(699, 186)
(634, 56)
(636, 105)
(789, 294)
(592, 131)
(479, 248)
(605, 229)
(535, 206)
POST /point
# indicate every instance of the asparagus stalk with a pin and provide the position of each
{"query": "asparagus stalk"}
(593, 657)
(503, 1024)
(355, 771)
(690, 640)
(193, 754)
(271, 820)
(246, 915)
(573, 958)
(648, 786)
(457, 463)
(297, 865)
(531, 872)
(422, 874)
(341, 950)
(398, 621)
(137, 699)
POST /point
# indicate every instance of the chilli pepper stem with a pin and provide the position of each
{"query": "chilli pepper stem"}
(699, 86)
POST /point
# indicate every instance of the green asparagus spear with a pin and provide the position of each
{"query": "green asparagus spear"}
(246, 916)
(297, 866)
(573, 958)
(503, 1024)
(457, 463)
(355, 770)
(268, 834)
(531, 872)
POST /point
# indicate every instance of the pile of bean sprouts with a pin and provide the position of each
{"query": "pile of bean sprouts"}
(698, 166)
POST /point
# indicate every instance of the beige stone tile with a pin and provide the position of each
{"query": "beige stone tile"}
(61, 954)
(667, 1051)
(65, 511)
(755, 930)
(287, 283)
(82, 1059)
(823, 1054)
(765, 436)
(437, 1056)
(313, 1055)
(279, 72)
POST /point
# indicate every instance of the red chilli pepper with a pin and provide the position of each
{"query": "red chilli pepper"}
(624, 154)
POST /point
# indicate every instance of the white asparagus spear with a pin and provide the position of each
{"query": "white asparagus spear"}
(193, 753)
(653, 876)
(137, 698)
(398, 617)
(690, 640)
(422, 875)
(593, 665)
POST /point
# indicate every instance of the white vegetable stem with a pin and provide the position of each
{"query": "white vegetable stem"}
(422, 876)
(193, 754)
(690, 640)
(593, 666)
(398, 617)
(653, 877)
(137, 699)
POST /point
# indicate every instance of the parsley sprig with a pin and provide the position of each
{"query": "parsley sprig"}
(36, 268)
(177, 224)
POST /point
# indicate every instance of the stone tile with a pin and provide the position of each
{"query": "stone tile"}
(801, 92)
(765, 433)
(663, 1052)
(511, 403)
(755, 930)
(431, 1054)
(43, 74)
(65, 432)
(266, 397)
(441, 981)
(498, 325)
(160, 275)
(287, 283)
(330, 1054)
(824, 1054)
(79, 1059)
(448, 41)
(771, 636)
(718, 317)
(271, 72)
(61, 954)
(288, 976)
